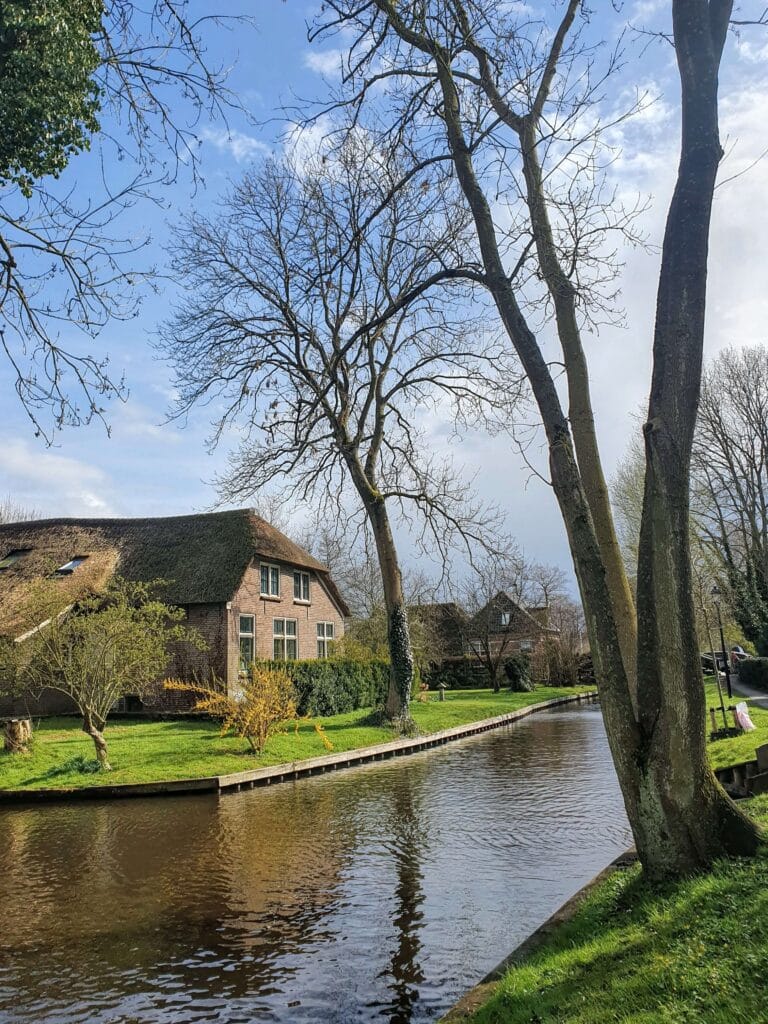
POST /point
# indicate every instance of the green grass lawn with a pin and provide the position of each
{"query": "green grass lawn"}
(691, 953)
(142, 751)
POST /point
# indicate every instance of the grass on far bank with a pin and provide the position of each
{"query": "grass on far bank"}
(735, 749)
(146, 751)
(693, 952)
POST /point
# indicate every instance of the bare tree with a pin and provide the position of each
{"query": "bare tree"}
(322, 331)
(492, 596)
(69, 259)
(466, 83)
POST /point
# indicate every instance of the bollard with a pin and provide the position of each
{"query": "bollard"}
(441, 691)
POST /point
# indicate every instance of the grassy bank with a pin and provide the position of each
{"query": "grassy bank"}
(691, 952)
(723, 753)
(142, 751)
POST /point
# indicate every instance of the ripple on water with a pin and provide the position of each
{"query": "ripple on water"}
(375, 894)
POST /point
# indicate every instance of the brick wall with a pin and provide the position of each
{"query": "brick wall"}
(48, 702)
(248, 601)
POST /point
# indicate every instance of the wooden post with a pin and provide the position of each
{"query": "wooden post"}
(16, 735)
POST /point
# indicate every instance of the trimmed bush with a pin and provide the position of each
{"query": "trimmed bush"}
(518, 671)
(754, 672)
(335, 686)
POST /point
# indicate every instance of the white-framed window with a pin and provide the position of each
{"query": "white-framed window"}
(301, 586)
(284, 640)
(247, 636)
(526, 646)
(270, 580)
(324, 637)
(504, 619)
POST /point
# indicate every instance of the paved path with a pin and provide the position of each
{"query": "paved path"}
(758, 697)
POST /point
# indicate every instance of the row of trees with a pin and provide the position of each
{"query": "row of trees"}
(729, 494)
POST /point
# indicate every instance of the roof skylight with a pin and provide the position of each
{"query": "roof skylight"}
(69, 567)
(13, 556)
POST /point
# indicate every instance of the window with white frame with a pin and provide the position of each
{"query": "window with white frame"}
(526, 645)
(270, 580)
(284, 640)
(504, 619)
(324, 638)
(301, 586)
(247, 636)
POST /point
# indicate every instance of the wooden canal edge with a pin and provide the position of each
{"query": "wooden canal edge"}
(289, 771)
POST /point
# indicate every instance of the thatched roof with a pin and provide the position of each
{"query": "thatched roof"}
(203, 558)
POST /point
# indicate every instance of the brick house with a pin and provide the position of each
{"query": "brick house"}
(247, 588)
(504, 627)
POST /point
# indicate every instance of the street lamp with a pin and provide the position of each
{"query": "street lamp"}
(717, 593)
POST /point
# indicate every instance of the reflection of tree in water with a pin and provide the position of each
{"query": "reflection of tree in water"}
(157, 894)
(409, 843)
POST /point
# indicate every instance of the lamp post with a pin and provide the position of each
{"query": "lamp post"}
(717, 594)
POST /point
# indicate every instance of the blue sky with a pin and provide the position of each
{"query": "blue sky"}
(147, 468)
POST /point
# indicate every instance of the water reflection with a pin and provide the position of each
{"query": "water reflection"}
(377, 894)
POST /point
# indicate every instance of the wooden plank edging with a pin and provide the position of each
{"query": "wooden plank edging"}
(288, 771)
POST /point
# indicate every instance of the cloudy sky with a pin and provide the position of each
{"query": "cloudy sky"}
(146, 467)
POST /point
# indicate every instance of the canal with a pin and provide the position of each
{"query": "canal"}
(374, 895)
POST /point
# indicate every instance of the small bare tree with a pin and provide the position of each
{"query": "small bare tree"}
(99, 650)
(492, 596)
(318, 314)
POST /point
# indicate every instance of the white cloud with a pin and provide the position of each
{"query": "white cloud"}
(238, 145)
(324, 62)
(54, 484)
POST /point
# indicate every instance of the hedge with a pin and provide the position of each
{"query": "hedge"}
(754, 672)
(458, 674)
(335, 686)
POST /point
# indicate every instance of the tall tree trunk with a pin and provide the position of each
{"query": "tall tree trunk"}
(398, 636)
(580, 413)
(93, 727)
(692, 821)
(658, 824)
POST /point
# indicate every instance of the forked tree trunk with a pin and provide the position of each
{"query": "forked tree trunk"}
(93, 728)
(689, 819)
(398, 637)
(680, 817)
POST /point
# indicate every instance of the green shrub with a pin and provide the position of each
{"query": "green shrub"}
(754, 672)
(335, 686)
(518, 671)
(458, 674)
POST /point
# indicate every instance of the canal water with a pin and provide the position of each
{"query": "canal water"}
(375, 895)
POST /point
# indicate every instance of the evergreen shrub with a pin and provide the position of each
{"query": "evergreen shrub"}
(334, 686)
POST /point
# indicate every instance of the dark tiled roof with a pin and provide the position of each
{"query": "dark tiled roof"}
(202, 558)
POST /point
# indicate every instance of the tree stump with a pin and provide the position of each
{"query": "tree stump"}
(16, 735)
